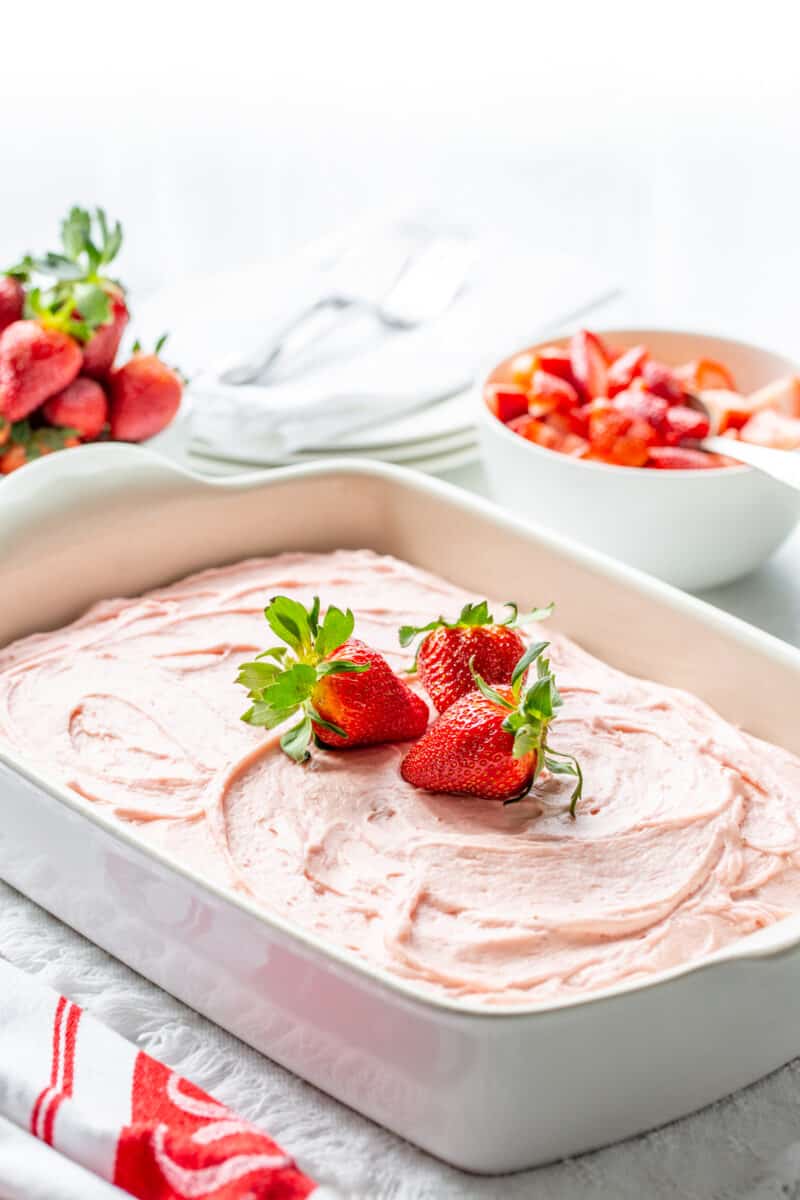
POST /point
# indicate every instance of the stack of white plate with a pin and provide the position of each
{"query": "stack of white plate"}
(501, 309)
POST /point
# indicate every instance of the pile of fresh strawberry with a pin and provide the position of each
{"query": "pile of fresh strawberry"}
(62, 318)
(496, 699)
(624, 407)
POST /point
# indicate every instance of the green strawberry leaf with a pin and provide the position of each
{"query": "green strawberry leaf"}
(475, 614)
(485, 690)
(532, 653)
(341, 666)
(277, 652)
(517, 619)
(336, 628)
(325, 724)
(297, 739)
(93, 304)
(76, 232)
(255, 676)
(570, 766)
(407, 633)
(57, 265)
(291, 688)
(110, 239)
(289, 621)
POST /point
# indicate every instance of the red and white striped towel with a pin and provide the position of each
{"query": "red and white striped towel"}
(112, 1115)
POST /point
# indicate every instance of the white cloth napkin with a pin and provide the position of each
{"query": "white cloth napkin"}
(364, 372)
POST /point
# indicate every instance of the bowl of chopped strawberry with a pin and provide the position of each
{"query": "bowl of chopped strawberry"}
(598, 436)
(62, 321)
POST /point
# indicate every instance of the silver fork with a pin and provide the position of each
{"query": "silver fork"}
(416, 286)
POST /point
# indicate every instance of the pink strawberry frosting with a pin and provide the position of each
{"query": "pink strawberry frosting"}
(687, 837)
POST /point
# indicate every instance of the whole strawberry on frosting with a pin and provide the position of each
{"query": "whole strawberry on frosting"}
(340, 690)
(493, 742)
(444, 654)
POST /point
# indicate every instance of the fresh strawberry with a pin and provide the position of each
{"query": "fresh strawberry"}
(673, 458)
(625, 369)
(81, 406)
(493, 741)
(101, 349)
(343, 691)
(545, 386)
(5, 431)
(145, 396)
(506, 400)
(12, 300)
(682, 423)
(36, 361)
(444, 654)
(662, 381)
(589, 366)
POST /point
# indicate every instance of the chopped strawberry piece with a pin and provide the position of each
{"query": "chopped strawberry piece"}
(629, 451)
(704, 373)
(682, 422)
(545, 386)
(674, 458)
(662, 381)
(543, 435)
(775, 429)
(506, 401)
(575, 445)
(728, 410)
(556, 361)
(574, 421)
(606, 424)
(783, 395)
(625, 369)
(522, 368)
(643, 406)
(589, 369)
(519, 425)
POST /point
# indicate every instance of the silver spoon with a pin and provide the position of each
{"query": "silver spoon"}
(783, 465)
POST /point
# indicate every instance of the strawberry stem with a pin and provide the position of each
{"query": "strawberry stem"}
(536, 703)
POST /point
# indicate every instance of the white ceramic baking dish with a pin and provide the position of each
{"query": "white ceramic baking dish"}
(487, 1091)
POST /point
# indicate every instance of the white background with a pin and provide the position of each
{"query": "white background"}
(660, 139)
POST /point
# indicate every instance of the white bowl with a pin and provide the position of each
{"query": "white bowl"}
(695, 529)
